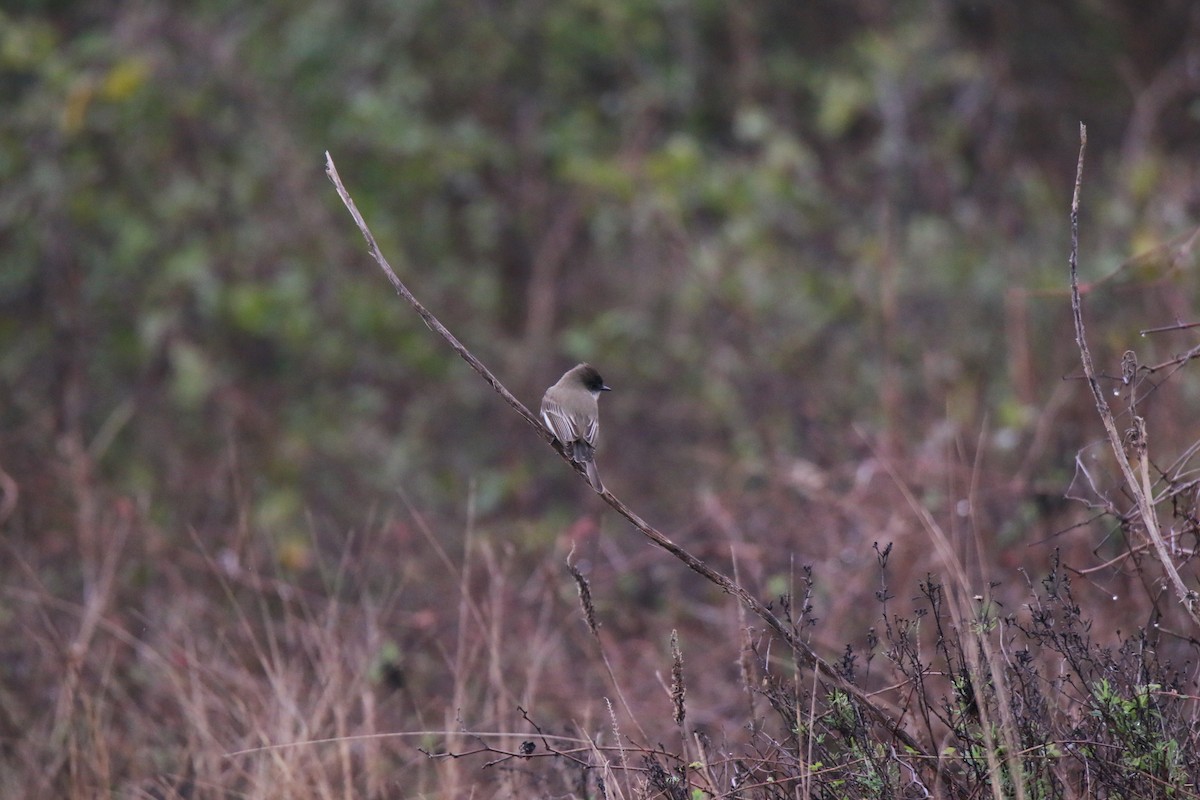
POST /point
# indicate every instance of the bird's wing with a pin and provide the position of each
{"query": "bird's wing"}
(593, 430)
(559, 422)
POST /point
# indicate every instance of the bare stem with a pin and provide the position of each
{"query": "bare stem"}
(430, 320)
(1138, 456)
(804, 652)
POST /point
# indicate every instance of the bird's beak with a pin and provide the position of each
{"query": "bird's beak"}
(606, 388)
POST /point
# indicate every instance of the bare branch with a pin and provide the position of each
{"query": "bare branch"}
(430, 320)
(1138, 483)
(803, 651)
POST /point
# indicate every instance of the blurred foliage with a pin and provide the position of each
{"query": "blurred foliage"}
(762, 221)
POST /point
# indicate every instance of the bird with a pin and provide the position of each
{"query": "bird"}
(572, 413)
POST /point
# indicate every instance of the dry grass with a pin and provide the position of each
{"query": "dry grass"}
(437, 659)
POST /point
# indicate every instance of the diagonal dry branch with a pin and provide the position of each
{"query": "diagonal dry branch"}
(803, 652)
(1137, 484)
(430, 320)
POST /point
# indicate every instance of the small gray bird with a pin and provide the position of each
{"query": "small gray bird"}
(572, 413)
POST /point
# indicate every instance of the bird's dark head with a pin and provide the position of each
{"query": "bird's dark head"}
(591, 379)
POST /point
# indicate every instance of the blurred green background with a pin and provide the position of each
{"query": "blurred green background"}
(766, 223)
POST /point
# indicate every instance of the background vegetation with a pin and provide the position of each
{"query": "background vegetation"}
(247, 498)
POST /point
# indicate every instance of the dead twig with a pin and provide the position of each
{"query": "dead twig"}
(1138, 484)
(804, 652)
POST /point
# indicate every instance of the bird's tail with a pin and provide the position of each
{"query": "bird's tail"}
(584, 453)
(593, 476)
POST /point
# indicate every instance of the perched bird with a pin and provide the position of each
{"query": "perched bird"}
(572, 413)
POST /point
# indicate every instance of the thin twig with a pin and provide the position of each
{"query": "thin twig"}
(1178, 326)
(801, 648)
(1138, 486)
(430, 320)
